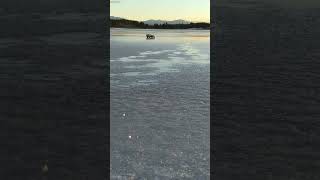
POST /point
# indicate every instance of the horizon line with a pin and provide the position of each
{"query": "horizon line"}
(161, 19)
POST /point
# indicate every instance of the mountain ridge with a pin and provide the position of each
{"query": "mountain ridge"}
(156, 21)
(178, 21)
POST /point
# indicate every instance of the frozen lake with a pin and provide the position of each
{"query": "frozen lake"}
(160, 104)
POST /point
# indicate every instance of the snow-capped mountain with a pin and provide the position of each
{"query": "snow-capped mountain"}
(178, 21)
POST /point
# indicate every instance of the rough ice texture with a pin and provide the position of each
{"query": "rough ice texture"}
(162, 87)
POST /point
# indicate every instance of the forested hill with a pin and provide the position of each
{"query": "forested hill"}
(124, 23)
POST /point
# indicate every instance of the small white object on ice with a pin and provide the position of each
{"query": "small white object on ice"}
(129, 137)
(45, 167)
(124, 114)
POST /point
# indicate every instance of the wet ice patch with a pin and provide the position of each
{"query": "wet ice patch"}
(151, 63)
(130, 73)
(134, 57)
(155, 52)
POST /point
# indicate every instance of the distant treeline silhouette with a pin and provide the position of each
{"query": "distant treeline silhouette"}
(124, 23)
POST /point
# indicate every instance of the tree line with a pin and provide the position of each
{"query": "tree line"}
(124, 23)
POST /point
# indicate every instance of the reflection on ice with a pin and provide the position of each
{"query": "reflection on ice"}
(155, 59)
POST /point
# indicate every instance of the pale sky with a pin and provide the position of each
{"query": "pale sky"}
(192, 10)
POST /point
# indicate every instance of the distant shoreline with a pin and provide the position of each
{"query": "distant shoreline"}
(130, 24)
(201, 29)
(162, 28)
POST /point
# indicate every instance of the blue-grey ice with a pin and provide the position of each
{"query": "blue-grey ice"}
(161, 89)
